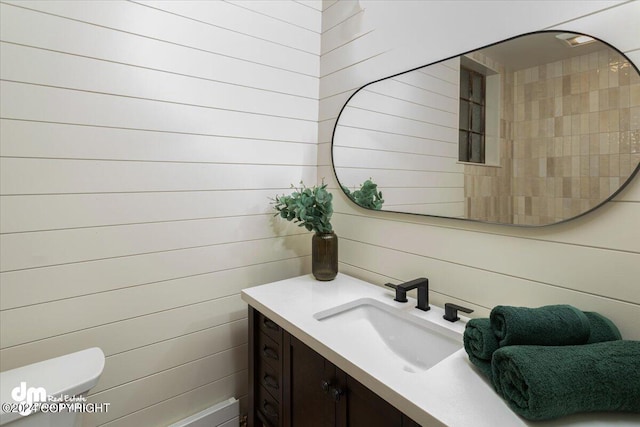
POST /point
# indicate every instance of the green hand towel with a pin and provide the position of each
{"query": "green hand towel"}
(479, 338)
(549, 325)
(546, 382)
(602, 329)
(480, 342)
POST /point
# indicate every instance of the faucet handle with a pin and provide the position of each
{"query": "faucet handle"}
(451, 311)
(401, 294)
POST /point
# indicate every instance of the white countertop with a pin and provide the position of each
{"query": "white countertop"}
(451, 393)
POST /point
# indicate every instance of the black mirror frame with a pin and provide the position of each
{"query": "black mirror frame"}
(603, 202)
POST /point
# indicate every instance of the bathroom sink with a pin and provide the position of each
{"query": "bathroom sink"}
(378, 331)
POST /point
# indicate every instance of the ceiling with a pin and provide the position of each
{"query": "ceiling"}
(535, 49)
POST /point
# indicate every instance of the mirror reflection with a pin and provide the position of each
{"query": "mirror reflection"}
(531, 131)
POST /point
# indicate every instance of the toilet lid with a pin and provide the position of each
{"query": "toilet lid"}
(70, 375)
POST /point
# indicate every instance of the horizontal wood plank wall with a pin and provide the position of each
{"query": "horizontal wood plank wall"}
(140, 144)
(409, 123)
(592, 262)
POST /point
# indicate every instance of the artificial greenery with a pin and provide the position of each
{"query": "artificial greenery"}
(311, 208)
(367, 196)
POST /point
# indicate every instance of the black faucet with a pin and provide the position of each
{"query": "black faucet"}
(451, 311)
(421, 283)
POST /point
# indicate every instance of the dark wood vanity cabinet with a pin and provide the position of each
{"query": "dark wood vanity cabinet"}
(291, 385)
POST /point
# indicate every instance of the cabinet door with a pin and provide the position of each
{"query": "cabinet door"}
(364, 408)
(312, 377)
(291, 385)
(322, 395)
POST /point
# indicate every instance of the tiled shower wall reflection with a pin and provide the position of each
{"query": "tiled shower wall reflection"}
(575, 137)
(488, 189)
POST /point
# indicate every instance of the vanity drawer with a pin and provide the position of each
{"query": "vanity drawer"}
(268, 408)
(269, 327)
(271, 379)
(270, 352)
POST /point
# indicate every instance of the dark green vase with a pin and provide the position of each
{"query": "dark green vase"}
(324, 256)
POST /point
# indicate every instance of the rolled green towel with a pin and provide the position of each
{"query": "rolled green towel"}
(602, 329)
(480, 342)
(479, 338)
(548, 325)
(546, 382)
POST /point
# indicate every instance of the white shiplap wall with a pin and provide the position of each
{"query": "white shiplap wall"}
(592, 262)
(140, 142)
(402, 132)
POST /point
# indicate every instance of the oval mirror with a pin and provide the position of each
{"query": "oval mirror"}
(534, 130)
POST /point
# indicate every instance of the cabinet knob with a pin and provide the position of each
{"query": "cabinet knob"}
(270, 381)
(269, 409)
(270, 324)
(270, 353)
(336, 393)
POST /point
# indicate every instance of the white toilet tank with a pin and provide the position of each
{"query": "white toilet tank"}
(66, 378)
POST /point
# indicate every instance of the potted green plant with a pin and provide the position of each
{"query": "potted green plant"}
(312, 208)
(367, 196)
